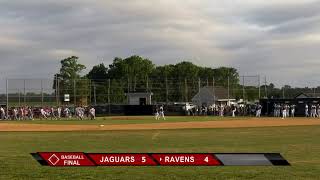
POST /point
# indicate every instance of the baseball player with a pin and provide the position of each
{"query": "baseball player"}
(313, 111)
(278, 110)
(156, 114)
(306, 110)
(59, 112)
(77, 112)
(234, 109)
(288, 110)
(15, 113)
(293, 109)
(162, 112)
(197, 111)
(30, 113)
(52, 113)
(3, 114)
(92, 112)
(43, 113)
(258, 110)
(284, 111)
(275, 106)
(21, 113)
(67, 112)
(221, 110)
(82, 112)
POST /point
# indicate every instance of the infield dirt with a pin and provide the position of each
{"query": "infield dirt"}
(234, 123)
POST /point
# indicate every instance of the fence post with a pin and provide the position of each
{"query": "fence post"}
(56, 85)
(199, 87)
(265, 87)
(7, 96)
(128, 84)
(186, 89)
(213, 91)
(58, 92)
(109, 95)
(90, 91)
(199, 84)
(228, 91)
(243, 88)
(147, 84)
(19, 98)
(94, 94)
(41, 93)
(74, 93)
(167, 91)
(135, 83)
(24, 92)
(259, 88)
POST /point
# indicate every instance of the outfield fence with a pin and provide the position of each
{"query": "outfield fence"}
(51, 92)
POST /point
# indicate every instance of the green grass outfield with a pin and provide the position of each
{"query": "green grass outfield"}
(300, 145)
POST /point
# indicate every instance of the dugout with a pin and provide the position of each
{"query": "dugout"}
(139, 98)
(212, 95)
(300, 101)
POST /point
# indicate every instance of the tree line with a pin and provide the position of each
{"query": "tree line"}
(172, 82)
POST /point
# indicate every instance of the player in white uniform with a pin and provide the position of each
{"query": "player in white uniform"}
(3, 114)
(293, 109)
(284, 111)
(30, 113)
(313, 111)
(67, 112)
(275, 106)
(288, 110)
(278, 109)
(234, 109)
(43, 113)
(82, 112)
(92, 113)
(59, 112)
(77, 112)
(306, 110)
(156, 114)
(221, 110)
(258, 110)
(52, 113)
(162, 112)
(21, 113)
(15, 113)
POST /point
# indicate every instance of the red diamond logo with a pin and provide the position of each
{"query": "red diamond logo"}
(54, 159)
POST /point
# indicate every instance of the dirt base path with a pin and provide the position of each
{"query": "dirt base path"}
(262, 122)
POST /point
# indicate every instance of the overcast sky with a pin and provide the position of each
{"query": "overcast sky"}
(276, 38)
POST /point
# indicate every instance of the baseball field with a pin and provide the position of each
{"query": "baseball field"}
(297, 139)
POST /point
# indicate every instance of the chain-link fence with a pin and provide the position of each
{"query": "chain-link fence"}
(52, 92)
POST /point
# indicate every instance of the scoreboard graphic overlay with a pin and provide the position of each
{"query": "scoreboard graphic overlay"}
(159, 159)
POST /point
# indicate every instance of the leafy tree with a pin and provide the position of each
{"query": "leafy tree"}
(134, 70)
(98, 73)
(70, 68)
(117, 92)
(69, 74)
(221, 76)
(98, 77)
